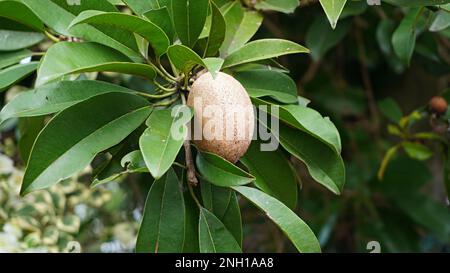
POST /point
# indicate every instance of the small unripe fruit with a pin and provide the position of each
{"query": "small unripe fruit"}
(438, 105)
(224, 116)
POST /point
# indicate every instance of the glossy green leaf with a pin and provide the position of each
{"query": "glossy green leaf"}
(162, 227)
(324, 164)
(312, 122)
(333, 9)
(222, 202)
(117, 160)
(233, 220)
(28, 130)
(58, 15)
(307, 120)
(15, 73)
(298, 231)
(404, 37)
(73, 137)
(263, 49)
(191, 244)
(273, 173)
(149, 31)
(13, 57)
(286, 6)
(134, 162)
(140, 7)
(217, 31)
(14, 40)
(213, 235)
(189, 17)
(184, 58)
(20, 13)
(71, 58)
(55, 97)
(161, 18)
(159, 144)
(268, 83)
(241, 25)
(220, 172)
(213, 65)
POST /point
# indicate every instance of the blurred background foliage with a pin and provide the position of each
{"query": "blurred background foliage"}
(395, 146)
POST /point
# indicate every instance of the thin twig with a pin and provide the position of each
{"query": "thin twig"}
(365, 75)
(190, 167)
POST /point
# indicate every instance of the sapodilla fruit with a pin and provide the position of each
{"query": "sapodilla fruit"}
(224, 116)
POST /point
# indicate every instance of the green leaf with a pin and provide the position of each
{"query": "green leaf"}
(184, 58)
(309, 121)
(161, 18)
(213, 65)
(385, 29)
(20, 13)
(263, 49)
(148, 30)
(390, 109)
(222, 202)
(323, 163)
(233, 220)
(140, 7)
(273, 173)
(320, 38)
(158, 144)
(14, 40)
(213, 235)
(189, 18)
(15, 73)
(312, 122)
(333, 9)
(134, 162)
(55, 97)
(441, 21)
(162, 228)
(416, 150)
(268, 83)
(220, 172)
(217, 31)
(241, 25)
(13, 57)
(115, 163)
(286, 6)
(58, 15)
(298, 231)
(28, 130)
(71, 58)
(404, 37)
(73, 137)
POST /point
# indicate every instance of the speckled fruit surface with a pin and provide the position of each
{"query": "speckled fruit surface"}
(222, 107)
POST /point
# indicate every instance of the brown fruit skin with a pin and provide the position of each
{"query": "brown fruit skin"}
(228, 94)
(438, 105)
